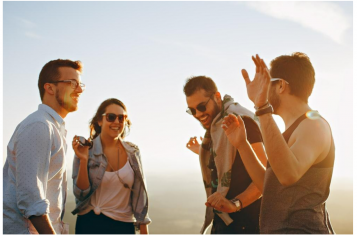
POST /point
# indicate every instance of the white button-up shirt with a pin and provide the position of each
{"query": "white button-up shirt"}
(34, 176)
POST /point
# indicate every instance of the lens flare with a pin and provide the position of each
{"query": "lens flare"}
(313, 115)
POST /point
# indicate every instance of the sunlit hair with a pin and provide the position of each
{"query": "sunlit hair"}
(94, 127)
(298, 71)
(50, 73)
(194, 84)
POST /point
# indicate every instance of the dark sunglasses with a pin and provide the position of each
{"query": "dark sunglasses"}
(112, 116)
(200, 107)
(83, 142)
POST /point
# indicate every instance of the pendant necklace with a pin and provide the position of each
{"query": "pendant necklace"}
(117, 172)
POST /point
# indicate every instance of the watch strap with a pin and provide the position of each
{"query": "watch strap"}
(237, 203)
(266, 110)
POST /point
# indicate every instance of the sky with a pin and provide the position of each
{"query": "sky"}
(142, 53)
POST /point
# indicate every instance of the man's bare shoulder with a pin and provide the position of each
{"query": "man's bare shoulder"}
(314, 132)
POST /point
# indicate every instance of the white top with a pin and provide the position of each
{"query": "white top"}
(35, 181)
(111, 197)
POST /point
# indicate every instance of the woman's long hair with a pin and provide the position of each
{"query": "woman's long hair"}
(94, 127)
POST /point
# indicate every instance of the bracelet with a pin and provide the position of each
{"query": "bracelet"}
(260, 112)
(257, 108)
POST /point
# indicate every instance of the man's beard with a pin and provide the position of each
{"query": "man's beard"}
(66, 105)
(274, 100)
(215, 112)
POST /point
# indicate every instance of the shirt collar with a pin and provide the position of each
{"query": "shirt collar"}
(51, 112)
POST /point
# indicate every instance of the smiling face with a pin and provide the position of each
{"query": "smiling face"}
(212, 106)
(116, 128)
(66, 96)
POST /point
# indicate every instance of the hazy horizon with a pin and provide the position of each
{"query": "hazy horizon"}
(142, 53)
(176, 204)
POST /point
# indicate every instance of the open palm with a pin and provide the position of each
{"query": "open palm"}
(258, 88)
(235, 130)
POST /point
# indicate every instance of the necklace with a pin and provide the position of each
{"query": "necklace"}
(117, 172)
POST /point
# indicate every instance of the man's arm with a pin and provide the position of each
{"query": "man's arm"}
(253, 156)
(312, 137)
(42, 224)
(290, 163)
(32, 166)
(248, 196)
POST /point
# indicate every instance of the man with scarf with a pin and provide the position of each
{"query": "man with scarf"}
(222, 169)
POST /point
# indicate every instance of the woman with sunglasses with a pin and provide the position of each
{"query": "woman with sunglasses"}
(108, 180)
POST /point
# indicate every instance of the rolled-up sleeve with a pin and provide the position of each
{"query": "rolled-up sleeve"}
(78, 193)
(147, 219)
(33, 153)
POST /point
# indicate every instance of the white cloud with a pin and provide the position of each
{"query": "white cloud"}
(324, 17)
(29, 28)
(32, 35)
(27, 24)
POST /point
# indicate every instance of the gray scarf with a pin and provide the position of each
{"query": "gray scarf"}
(224, 154)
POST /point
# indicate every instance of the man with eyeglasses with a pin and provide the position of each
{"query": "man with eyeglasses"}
(296, 182)
(223, 172)
(34, 174)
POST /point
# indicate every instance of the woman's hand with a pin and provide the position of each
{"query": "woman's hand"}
(193, 145)
(144, 229)
(82, 152)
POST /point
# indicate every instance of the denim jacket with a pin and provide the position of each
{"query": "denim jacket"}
(97, 163)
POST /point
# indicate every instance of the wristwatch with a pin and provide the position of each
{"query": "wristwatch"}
(237, 203)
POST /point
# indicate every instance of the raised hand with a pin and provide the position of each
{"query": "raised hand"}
(235, 130)
(193, 145)
(258, 88)
(220, 203)
(82, 152)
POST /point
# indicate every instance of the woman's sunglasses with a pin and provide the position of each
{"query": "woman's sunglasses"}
(112, 116)
(200, 107)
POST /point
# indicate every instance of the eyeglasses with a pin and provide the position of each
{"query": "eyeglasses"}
(200, 107)
(111, 117)
(278, 79)
(73, 82)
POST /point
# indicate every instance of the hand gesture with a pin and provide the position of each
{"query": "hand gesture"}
(82, 152)
(193, 145)
(258, 88)
(235, 130)
(220, 203)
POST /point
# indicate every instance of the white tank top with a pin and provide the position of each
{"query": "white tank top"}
(111, 197)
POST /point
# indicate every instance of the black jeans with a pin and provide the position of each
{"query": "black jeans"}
(91, 223)
(241, 225)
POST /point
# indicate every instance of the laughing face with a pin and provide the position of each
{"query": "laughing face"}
(116, 128)
(67, 97)
(200, 98)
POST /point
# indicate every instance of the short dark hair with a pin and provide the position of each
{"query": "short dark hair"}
(298, 71)
(94, 127)
(196, 83)
(50, 73)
